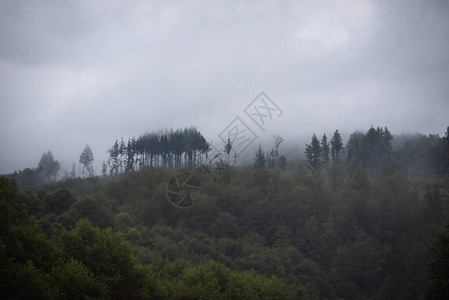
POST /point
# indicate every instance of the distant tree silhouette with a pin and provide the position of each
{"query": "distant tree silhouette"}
(313, 153)
(325, 151)
(259, 160)
(48, 167)
(182, 148)
(336, 146)
(86, 160)
(228, 148)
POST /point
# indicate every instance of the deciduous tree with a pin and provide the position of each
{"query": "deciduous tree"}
(86, 160)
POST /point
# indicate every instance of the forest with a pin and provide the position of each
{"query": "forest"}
(366, 218)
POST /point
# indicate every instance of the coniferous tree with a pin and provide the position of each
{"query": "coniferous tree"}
(114, 159)
(155, 148)
(130, 153)
(313, 153)
(387, 147)
(445, 141)
(325, 151)
(259, 161)
(336, 146)
(122, 154)
(180, 148)
(355, 152)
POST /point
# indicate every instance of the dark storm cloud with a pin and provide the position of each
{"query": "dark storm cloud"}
(77, 72)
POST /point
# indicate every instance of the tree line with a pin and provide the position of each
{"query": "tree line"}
(175, 149)
(375, 152)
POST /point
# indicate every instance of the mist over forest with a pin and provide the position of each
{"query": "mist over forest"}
(224, 150)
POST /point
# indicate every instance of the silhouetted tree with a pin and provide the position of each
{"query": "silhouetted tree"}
(178, 149)
(122, 154)
(336, 146)
(273, 157)
(114, 159)
(48, 167)
(86, 160)
(313, 153)
(130, 153)
(227, 149)
(355, 152)
(259, 161)
(445, 156)
(325, 151)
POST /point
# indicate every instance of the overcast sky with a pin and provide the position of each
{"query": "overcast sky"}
(77, 72)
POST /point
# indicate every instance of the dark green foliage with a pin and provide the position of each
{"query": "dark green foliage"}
(23, 281)
(360, 230)
(107, 256)
(23, 248)
(94, 209)
(20, 236)
(212, 280)
(77, 186)
(59, 202)
(438, 287)
(73, 280)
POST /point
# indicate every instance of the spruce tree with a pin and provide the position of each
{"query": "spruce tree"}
(336, 146)
(314, 155)
(325, 151)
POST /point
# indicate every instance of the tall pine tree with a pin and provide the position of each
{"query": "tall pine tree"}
(314, 155)
(336, 146)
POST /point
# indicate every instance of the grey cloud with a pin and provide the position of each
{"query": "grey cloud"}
(77, 72)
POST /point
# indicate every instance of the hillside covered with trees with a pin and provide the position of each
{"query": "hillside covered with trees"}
(359, 219)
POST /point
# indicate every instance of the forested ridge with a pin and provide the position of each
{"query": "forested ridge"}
(365, 219)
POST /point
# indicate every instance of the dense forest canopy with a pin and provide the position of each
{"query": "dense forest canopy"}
(359, 219)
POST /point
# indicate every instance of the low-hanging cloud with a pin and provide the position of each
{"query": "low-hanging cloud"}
(77, 72)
